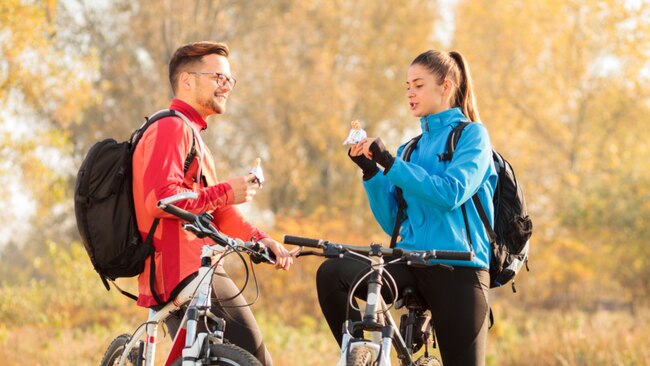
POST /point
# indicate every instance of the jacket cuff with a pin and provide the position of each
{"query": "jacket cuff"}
(381, 156)
(222, 195)
(369, 173)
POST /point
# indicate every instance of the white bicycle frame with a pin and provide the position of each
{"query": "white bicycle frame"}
(377, 320)
(198, 293)
(379, 344)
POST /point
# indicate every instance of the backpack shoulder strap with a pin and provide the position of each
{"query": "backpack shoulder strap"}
(452, 141)
(135, 138)
(137, 134)
(492, 235)
(409, 147)
(401, 204)
(192, 154)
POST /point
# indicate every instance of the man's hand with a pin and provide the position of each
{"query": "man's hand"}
(283, 257)
(243, 188)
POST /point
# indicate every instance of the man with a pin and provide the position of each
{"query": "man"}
(201, 81)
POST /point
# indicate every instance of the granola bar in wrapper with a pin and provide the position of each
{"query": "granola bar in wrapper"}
(257, 172)
(356, 134)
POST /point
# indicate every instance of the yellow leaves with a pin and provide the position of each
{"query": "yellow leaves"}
(51, 79)
(562, 91)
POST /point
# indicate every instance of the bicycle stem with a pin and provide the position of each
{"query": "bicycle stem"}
(375, 283)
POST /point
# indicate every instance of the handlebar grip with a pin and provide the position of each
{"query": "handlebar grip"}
(306, 242)
(179, 212)
(452, 254)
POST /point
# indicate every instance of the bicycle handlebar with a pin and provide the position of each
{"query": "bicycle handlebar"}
(166, 204)
(305, 242)
(201, 226)
(335, 249)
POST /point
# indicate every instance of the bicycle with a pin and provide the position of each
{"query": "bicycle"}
(190, 347)
(415, 327)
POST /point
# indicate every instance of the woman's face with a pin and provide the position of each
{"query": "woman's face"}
(424, 94)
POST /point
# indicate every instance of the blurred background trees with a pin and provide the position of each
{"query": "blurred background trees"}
(562, 85)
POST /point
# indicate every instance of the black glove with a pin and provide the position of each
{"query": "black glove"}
(380, 155)
(368, 166)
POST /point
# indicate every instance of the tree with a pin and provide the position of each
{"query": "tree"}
(305, 70)
(563, 87)
(43, 86)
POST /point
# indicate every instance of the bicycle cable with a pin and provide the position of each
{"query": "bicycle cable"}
(359, 278)
(246, 277)
(246, 282)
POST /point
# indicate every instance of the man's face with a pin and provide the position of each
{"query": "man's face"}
(209, 97)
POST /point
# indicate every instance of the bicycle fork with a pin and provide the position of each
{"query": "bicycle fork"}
(195, 341)
(381, 332)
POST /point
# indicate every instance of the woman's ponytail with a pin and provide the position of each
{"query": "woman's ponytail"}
(464, 97)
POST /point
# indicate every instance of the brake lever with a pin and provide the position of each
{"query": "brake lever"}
(415, 260)
(311, 252)
(197, 230)
(259, 254)
(201, 226)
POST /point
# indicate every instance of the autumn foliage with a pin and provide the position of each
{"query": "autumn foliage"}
(562, 86)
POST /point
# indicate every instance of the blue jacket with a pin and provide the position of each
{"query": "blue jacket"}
(434, 191)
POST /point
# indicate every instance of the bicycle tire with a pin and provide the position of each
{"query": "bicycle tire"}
(115, 350)
(227, 354)
(359, 356)
(428, 361)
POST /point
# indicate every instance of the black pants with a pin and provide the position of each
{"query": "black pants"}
(457, 300)
(241, 327)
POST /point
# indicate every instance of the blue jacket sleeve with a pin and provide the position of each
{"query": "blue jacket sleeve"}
(383, 202)
(459, 181)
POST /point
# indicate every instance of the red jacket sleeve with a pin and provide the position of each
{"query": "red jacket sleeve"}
(231, 222)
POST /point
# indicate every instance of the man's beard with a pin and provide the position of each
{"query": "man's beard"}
(211, 104)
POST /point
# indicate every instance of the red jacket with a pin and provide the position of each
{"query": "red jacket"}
(158, 164)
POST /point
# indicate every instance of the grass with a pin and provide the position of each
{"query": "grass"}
(574, 338)
(72, 322)
(519, 337)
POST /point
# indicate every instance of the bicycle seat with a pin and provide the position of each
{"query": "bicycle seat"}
(410, 299)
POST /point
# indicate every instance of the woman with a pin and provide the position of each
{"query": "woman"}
(439, 91)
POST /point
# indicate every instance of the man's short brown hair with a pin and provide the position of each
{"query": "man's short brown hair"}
(190, 54)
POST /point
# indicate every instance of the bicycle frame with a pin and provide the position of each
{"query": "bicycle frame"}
(376, 318)
(188, 342)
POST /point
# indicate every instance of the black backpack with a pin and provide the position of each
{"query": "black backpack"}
(105, 212)
(509, 240)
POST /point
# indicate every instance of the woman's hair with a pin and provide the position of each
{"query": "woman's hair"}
(452, 65)
(190, 54)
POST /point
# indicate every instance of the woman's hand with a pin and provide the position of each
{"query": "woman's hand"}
(363, 147)
(368, 166)
(356, 149)
(374, 149)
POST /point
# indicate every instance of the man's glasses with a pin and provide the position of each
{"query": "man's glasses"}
(221, 79)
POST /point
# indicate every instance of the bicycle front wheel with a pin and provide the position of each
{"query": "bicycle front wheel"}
(226, 355)
(428, 361)
(359, 356)
(115, 350)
